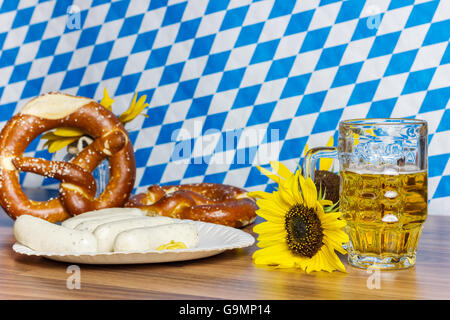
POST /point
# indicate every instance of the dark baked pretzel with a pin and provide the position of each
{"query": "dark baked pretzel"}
(78, 188)
(209, 202)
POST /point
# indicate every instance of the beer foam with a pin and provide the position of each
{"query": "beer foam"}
(387, 169)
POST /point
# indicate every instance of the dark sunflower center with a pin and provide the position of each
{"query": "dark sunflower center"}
(304, 231)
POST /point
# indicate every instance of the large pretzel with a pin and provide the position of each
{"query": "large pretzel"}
(209, 202)
(77, 190)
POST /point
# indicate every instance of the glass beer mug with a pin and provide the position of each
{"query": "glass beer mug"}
(383, 188)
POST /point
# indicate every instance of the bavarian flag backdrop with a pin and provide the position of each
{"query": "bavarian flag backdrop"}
(235, 83)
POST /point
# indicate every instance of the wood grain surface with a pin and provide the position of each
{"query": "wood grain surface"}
(230, 275)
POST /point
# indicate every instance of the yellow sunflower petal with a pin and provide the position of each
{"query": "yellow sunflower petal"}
(106, 101)
(259, 194)
(281, 169)
(269, 174)
(50, 136)
(56, 145)
(68, 132)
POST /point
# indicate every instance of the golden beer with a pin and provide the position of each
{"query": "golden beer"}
(385, 213)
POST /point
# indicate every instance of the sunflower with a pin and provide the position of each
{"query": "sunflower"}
(65, 136)
(302, 230)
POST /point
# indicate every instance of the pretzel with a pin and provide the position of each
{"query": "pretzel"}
(77, 190)
(209, 202)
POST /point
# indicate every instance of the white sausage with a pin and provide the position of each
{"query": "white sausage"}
(106, 233)
(44, 236)
(91, 224)
(150, 238)
(102, 213)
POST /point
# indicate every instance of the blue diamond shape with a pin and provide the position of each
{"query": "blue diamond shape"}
(435, 100)
(246, 96)
(444, 125)
(47, 47)
(202, 46)
(73, 78)
(88, 90)
(199, 107)
(384, 44)
(255, 178)
(276, 131)
(280, 68)
(60, 62)
(32, 88)
(142, 156)
(421, 14)
(401, 62)
(331, 57)
(152, 174)
(261, 113)
(156, 4)
(265, 51)
(350, 9)
(128, 83)
(88, 37)
(231, 79)
(22, 17)
(234, 18)
(114, 68)
(438, 32)
(295, 86)
(214, 121)
(35, 32)
(363, 92)
(216, 5)
(185, 90)
(169, 132)
(215, 177)
(327, 121)
(315, 39)
(347, 74)
(171, 73)
(216, 62)
(381, 109)
(144, 41)
(418, 80)
(101, 52)
(9, 6)
(158, 57)
(292, 148)
(8, 57)
(156, 116)
(366, 27)
(174, 14)
(195, 169)
(117, 10)
(188, 30)
(311, 103)
(7, 111)
(443, 188)
(20, 72)
(395, 4)
(437, 164)
(249, 34)
(282, 8)
(131, 25)
(299, 22)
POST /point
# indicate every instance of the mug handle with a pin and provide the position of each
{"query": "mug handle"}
(314, 154)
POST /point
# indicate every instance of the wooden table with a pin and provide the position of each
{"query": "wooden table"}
(230, 275)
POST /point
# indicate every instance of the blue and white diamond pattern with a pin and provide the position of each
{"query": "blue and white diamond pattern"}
(231, 83)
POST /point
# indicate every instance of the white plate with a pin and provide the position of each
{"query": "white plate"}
(213, 239)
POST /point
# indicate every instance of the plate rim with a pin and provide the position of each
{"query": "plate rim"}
(246, 240)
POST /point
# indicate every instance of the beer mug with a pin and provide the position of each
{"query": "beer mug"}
(383, 188)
